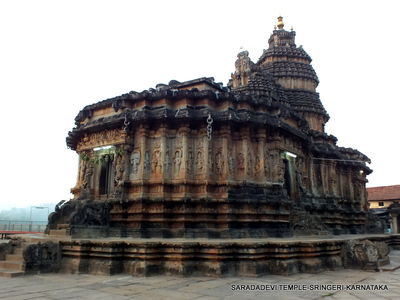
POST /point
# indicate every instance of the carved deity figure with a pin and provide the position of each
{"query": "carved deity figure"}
(119, 171)
(177, 161)
(82, 171)
(135, 161)
(219, 163)
(249, 163)
(156, 161)
(240, 161)
(333, 186)
(276, 166)
(199, 161)
(257, 167)
(299, 173)
(87, 176)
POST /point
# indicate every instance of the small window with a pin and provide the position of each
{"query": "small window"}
(380, 203)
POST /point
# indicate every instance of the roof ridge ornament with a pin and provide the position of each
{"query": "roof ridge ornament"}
(280, 23)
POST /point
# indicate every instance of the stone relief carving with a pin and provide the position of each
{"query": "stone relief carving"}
(43, 257)
(135, 161)
(88, 176)
(156, 161)
(250, 163)
(332, 178)
(303, 222)
(219, 162)
(299, 174)
(177, 161)
(189, 161)
(199, 162)
(146, 163)
(167, 161)
(363, 254)
(240, 161)
(91, 213)
(267, 165)
(106, 137)
(276, 166)
(231, 163)
(118, 171)
(83, 171)
(257, 167)
(318, 177)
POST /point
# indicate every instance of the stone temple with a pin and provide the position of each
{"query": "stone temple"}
(196, 177)
(198, 159)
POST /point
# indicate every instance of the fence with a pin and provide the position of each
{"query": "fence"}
(15, 225)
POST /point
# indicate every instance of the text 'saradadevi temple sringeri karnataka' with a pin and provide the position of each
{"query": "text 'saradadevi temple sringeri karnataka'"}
(199, 178)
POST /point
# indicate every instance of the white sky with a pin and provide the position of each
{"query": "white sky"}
(58, 56)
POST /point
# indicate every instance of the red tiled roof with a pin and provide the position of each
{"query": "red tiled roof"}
(390, 192)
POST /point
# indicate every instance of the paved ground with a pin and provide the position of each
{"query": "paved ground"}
(62, 286)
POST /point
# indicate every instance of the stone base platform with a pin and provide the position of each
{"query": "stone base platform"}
(202, 257)
(209, 257)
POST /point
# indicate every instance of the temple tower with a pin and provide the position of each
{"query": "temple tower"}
(291, 67)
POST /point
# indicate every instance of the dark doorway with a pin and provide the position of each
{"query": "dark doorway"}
(105, 175)
(398, 223)
(288, 183)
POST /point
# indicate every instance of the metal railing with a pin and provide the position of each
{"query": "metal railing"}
(15, 225)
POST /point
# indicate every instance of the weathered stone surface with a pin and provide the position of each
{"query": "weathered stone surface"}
(43, 257)
(199, 257)
(383, 249)
(363, 253)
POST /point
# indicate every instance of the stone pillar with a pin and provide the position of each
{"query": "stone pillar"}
(316, 178)
(201, 162)
(221, 159)
(141, 174)
(241, 157)
(260, 160)
(163, 161)
(350, 185)
(184, 131)
(233, 152)
(324, 178)
(126, 162)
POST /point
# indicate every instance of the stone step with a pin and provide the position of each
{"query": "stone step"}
(18, 250)
(15, 257)
(58, 232)
(10, 273)
(11, 265)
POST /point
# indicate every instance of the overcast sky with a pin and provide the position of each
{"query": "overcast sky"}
(58, 56)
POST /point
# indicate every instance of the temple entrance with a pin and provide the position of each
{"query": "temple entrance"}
(287, 182)
(105, 175)
(290, 182)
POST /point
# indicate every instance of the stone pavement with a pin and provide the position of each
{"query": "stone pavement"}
(73, 286)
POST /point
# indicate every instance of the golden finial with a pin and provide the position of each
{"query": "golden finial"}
(280, 23)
